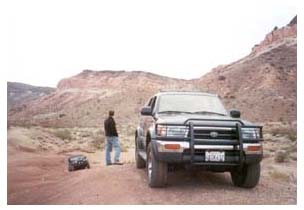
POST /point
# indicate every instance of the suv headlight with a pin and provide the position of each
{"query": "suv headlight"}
(251, 133)
(172, 131)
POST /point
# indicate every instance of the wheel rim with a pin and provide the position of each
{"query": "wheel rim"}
(149, 167)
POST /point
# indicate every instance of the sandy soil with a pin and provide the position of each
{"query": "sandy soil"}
(42, 178)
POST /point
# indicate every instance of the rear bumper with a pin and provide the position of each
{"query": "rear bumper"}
(253, 153)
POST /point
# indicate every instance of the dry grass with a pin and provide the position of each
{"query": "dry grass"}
(124, 147)
(286, 130)
(98, 140)
(63, 134)
(281, 156)
(90, 139)
(279, 175)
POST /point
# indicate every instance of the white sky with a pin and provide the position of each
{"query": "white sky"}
(52, 40)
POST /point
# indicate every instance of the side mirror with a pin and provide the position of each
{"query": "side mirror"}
(146, 110)
(235, 113)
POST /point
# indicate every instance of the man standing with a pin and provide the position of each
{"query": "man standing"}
(111, 140)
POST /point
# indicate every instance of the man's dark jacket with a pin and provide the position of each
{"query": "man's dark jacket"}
(110, 127)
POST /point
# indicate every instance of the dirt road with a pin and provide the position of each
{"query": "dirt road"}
(40, 178)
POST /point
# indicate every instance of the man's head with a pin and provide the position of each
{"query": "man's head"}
(111, 113)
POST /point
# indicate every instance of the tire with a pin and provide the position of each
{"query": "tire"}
(156, 170)
(140, 163)
(71, 167)
(248, 177)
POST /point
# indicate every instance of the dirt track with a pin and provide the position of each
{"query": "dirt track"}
(43, 179)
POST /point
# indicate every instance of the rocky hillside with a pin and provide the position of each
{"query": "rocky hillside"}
(17, 93)
(84, 99)
(262, 85)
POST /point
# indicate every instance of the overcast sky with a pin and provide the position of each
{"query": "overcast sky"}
(52, 40)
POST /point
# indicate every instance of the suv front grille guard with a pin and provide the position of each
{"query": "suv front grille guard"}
(238, 142)
(239, 138)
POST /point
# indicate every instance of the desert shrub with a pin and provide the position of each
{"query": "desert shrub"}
(280, 156)
(98, 140)
(99, 132)
(61, 115)
(221, 77)
(24, 124)
(98, 143)
(63, 134)
(130, 131)
(86, 134)
(282, 130)
(124, 147)
(292, 136)
(279, 175)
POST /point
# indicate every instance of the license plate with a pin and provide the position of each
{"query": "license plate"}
(214, 156)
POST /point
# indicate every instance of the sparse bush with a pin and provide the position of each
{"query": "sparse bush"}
(63, 134)
(100, 132)
(283, 130)
(221, 77)
(124, 147)
(86, 134)
(61, 115)
(280, 156)
(24, 124)
(98, 140)
(292, 136)
(130, 131)
(279, 175)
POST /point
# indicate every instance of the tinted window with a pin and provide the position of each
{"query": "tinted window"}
(191, 103)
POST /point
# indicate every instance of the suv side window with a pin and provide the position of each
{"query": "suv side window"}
(150, 102)
(153, 103)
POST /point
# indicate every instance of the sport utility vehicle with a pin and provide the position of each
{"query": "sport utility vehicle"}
(194, 129)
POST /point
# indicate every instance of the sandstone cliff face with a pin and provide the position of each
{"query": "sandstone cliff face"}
(84, 99)
(262, 85)
(118, 79)
(277, 36)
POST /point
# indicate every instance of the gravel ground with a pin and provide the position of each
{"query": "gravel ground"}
(42, 178)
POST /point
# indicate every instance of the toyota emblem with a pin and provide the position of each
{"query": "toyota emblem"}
(213, 134)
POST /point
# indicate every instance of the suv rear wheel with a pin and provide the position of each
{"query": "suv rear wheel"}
(156, 170)
(140, 163)
(247, 177)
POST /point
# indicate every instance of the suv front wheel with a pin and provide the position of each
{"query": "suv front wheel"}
(140, 163)
(156, 170)
(247, 177)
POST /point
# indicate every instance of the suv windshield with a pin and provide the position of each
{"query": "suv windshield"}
(186, 103)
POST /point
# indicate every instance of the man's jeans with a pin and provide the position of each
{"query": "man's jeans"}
(112, 141)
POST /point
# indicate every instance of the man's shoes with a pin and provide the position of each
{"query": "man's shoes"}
(108, 164)
(117, 163)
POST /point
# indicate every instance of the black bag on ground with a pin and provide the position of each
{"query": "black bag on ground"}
(76, 162)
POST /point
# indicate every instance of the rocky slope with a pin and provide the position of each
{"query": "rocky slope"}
(262, 85)
(84, 99)
(17, 93)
